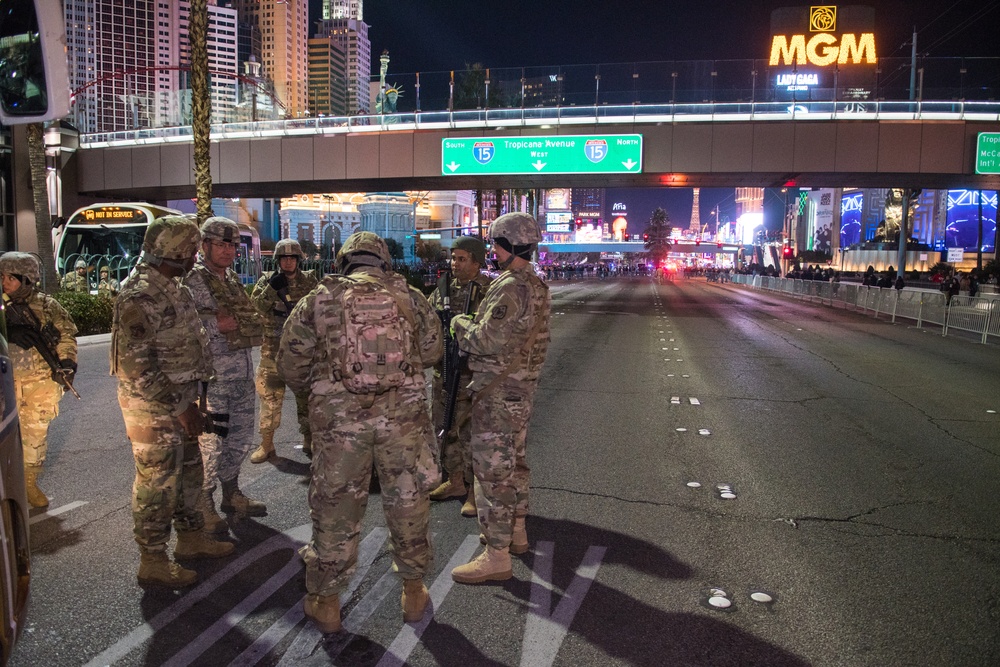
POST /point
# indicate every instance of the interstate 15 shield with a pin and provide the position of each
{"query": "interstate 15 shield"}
(595, 150)
(483, 151)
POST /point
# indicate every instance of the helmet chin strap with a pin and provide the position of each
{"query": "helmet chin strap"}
(506, 263)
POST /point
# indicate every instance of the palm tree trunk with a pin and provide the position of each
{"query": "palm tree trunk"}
(201, 108)
(40, 196)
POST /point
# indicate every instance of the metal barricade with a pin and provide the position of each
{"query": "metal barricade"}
(993, 323)
(967, 314)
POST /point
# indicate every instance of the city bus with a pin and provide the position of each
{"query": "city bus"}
(111, 235)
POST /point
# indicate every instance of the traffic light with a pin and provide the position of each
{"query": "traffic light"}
(579, 223)
(645, 237)
(626, 236)
(788, 252)
(697, 241)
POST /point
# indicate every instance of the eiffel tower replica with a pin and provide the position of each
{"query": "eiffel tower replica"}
(695, 224)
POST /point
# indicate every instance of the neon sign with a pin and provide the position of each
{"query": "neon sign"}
(823, 48)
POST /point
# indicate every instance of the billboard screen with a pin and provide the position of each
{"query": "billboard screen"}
(851, 205)
(962, 230)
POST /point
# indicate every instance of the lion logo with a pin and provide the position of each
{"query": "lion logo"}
(823, 18)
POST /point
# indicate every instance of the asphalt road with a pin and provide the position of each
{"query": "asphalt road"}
(862, 458)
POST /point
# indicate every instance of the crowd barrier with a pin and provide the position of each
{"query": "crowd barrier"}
(978, 315)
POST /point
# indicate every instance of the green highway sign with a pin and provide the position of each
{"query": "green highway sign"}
(559, 154)
(988, 153)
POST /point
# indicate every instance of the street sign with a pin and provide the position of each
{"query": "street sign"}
(988, 153)
(559, 154)
(955, 255)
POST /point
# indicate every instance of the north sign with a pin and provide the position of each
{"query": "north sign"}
(559, 154)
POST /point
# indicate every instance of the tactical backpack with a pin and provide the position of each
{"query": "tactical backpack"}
(377, 334)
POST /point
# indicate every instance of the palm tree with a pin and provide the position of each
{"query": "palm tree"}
(657, 235)
(40, 196)
(201, 108)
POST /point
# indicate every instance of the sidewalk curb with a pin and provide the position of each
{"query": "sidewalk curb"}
(96, 339)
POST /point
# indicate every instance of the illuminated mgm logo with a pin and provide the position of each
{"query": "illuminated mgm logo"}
(823, 47)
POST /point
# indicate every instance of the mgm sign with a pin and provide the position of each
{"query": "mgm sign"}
(822, 45)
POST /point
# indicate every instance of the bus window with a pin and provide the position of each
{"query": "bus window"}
(34, 77)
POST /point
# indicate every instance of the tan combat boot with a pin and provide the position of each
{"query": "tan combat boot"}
(519, 537)
(323, 611)
(266, 449)
(233, 500)
(213, 522)
(157, 569)
(453, 488)
(469, 506)
(491, 565)
(36, 498)
(415, 599)
(192, 544)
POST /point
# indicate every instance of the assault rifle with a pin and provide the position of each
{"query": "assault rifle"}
(25, 331)
(452, 355)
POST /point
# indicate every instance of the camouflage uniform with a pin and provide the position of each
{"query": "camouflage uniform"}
(159, 351)
(516, 305)
(38, 394)
(74, 282)
(232, 391)
(270, 387)
(108, 287)
(351, 430)
(455, 454)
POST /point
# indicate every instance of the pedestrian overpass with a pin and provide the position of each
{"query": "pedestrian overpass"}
(682, 247)
(813, 144)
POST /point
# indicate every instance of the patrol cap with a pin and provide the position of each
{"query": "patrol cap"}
(23, 265)
(80, 264)
(472, 245)
(172, 237)
(288, 248)
(220, 228)
(365, 248)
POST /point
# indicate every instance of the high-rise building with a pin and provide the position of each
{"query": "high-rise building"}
(352, 36)
(284, 28)
(222, 58)
(695, 223)
(327, 77)
(343, 9)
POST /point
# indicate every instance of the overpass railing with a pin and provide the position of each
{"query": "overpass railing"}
(986, 111)
(979, 315)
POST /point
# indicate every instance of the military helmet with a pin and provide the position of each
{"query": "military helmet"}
(105, 269)
(520, 229)
(220, 228)
(80, 264)
(21, 264)
(174, 237)
(472, 245)
(288, 248)
(365, 243)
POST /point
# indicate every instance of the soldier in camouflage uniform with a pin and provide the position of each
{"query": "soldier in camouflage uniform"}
(234, 328)
(390, 426)
(108, 287)
(275, 294)
(506, 342)
(35, 383)
(468, 257)
(159, 351)
(76, 281)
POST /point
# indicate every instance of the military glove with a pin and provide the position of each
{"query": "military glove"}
(467, 318)
(68, 370)
(278, 281)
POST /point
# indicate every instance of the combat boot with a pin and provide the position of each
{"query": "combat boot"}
(266, 449)
(36, 498)
(453, 488)
(233, 500)
(519, 537)
(469, 506)
(307, 445)
(415, 599)
(156, 569)
(192, 544)
(213, 522)
(491, 565)
(323, 611)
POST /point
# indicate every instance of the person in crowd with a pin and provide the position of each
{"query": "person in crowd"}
(359, 344)
(973, 283)
(506, 341)
(108, 287)
(234, 328)
(274, 295)
(468, 257)
(35, 319)
(159, 351)
(952, 285)
(77, 280)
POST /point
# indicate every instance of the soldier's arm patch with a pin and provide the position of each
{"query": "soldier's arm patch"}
(135, 322)
(499, 312)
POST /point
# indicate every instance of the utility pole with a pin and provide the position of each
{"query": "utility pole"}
(913, 65)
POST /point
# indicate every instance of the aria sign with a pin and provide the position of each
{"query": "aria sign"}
(823, 47)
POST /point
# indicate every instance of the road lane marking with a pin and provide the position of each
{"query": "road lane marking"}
(406, 640)
(62, 509)
(694, 401)
(545, 630)
(292, 538)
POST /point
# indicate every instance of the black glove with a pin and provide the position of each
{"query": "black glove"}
(68, 372)
(278, 281)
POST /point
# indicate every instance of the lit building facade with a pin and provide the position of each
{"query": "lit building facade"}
(327, 77)
(351, 34)
(284, 28)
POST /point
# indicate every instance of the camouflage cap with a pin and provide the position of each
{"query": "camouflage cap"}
(370, 243)
(520, 229)
(472, 245)
(105, 269)
(288, 248)
(220, 228)
(172, 237)
(21, 264)
(80, 264)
